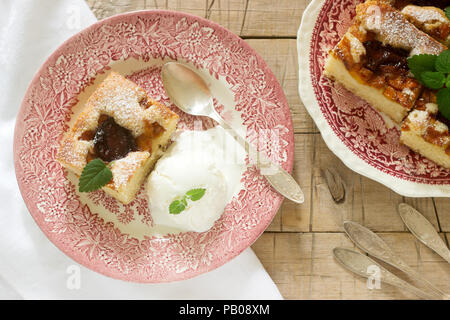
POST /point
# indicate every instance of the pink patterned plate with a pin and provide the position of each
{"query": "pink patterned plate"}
(96, 230)
(350, 127)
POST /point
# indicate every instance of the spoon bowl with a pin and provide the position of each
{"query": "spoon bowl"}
(187, 90)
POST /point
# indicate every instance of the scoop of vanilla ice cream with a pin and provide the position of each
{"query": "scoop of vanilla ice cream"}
(197, 159)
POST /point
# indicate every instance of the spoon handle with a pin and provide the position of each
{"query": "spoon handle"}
(278, 178)
(423, 230)
(363, 265)
(371, 243)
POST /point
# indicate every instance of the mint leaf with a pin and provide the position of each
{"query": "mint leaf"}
(434, 72)
(421, 63)
(442, 63)
(196, 194)
(94, 176)
(443, 100)
(177, 206)
(433, 80)
(447, 12)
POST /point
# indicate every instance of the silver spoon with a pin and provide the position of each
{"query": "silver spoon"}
(423, 230)
(371, 243)
(362, 265)
(189, 92)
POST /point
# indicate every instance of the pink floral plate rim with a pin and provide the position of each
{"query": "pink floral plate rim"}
(370, 148)
(45, 110)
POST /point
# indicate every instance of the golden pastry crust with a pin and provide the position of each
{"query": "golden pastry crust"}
(400, 4)
(430, 20)
(426, 131)
(392, 28)
(149, 122)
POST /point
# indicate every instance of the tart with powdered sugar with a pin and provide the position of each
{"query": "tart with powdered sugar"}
(425, 130)
(371, 58)
(430, 20)
(426, 15)
(125, 128)
(400, 4)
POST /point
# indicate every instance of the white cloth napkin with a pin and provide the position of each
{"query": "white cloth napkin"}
(31, 267)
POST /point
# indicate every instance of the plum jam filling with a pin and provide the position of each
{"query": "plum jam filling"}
(111, 141)
(385, 59)
(114, 142)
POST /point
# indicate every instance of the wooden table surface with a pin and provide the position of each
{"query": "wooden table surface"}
(296, 248)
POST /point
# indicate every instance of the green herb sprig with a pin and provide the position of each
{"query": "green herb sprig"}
(94, 176)
(433, 71)
(178, 205)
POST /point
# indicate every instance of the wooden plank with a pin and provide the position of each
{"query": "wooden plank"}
(275, 225)
(287, 259)
(429, 264)
(380, 207)
(292, 216)
(104, 9)
(267, 19)
(443, 213)
(326, 274)
(296, 217)
(228, 13)
(366, 201)
(326, 214)
(302, 266)
(247, 18)
(427, 207)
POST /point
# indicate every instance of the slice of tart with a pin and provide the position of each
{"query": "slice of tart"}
(371, 58)
(425, 130)
(124, 127)
(430, 20)
(400, 4)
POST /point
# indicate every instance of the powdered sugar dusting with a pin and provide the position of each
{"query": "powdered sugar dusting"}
(419, 121)
(432, 108)
(425, 14)
(440, 127)
(119, 98)
(393, 29)
(356, 47)
(124, 168)
(408, 92)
